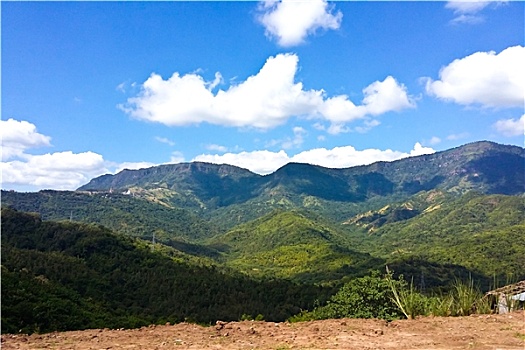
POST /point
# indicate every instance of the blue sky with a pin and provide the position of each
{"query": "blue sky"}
(90, 88)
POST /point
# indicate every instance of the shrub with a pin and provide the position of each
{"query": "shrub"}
(364, 297)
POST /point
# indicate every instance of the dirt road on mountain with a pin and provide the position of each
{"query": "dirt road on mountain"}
(474, 332)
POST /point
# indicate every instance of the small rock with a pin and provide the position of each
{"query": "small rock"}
(220, 325)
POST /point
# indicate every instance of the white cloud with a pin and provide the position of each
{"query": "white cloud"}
(483, 78)
(217, 148)
(265, 162)
(511, 127)
(367, 125)
(291, 21)
(164, 140)
(121, 87)
(338, 128)
(469, 6)
(454, 137)
(60, 170)
(434, 140)
(177, 157)
(18, 136)
(297, 140)
(261, 162)
(386, 96)
(262, 101)
(467, 11)
(420, 150)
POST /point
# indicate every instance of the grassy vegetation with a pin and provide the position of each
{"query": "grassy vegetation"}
(385, 297)
(463, 299)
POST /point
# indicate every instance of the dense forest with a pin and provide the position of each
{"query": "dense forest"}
(203, 242)
(63, 275)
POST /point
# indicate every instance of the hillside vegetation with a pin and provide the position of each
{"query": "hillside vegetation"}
(481, 233)
(62, 276)
(233, 245)
(287, 244)
(230, 195)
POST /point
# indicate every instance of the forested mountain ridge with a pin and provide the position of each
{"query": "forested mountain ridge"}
(288, 244)
(483, 233)
(483, 166)
(66, 275)
(194, 185)
(194, 201)
(130, 215)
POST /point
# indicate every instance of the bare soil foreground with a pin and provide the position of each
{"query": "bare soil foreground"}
(474, 332)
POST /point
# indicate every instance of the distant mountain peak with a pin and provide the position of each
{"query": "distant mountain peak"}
(483, 166)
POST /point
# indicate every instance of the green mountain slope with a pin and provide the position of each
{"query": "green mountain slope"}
(229, 195)
(125, 214)
(416, 214)
(483, 233)
(191, 185)
(63, 275)
(290, 245)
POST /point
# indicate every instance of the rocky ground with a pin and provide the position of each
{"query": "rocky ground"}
(474, 332)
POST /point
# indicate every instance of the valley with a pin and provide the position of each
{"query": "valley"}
(200, 242)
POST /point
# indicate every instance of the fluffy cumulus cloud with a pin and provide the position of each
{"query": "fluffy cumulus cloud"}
(511, 127)
(262, 101)
(261, 162)
(18, 136)
(291, 21)
(487, 79)
(265, 162)
(64, 170)
(60, 170)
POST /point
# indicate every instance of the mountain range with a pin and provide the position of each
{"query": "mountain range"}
(433, 218)
(217, 190)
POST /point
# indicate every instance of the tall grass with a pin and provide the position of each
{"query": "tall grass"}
(465, 296)
(464, 299)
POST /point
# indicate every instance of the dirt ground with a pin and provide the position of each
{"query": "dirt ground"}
(474, 332)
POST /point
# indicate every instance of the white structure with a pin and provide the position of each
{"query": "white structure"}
(509, 297)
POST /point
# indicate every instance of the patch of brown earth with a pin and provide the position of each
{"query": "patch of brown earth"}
(475, 332)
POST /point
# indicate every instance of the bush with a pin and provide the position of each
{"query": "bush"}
(364, 297)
